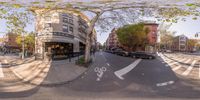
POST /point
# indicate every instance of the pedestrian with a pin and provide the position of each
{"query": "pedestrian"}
(93, 52)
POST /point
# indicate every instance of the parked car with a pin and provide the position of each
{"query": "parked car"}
(121, 52)
(168, 51)
(113, 50)
(143, 55)
(108, 51)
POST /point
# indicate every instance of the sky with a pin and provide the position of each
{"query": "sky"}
(188, 28)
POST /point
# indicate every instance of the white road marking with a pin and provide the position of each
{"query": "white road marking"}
(158, 54)
(177, 62)
(100, 72)
(187, 61)
(165, 59)
(127, 69)
(5, 61)
(1, 71)
(176, 68)
(164, 83)
(108, 64)
(189, 68)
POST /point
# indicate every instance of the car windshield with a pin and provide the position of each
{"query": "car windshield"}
(100, 49)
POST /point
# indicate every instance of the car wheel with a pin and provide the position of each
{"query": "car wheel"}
(150, 57)
(133, 56)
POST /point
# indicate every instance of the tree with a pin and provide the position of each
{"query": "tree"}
(133, 36)
(166, 37)
(166, 11)
(191, 44)
(29, 41)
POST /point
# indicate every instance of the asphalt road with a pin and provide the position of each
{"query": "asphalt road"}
(148, 79)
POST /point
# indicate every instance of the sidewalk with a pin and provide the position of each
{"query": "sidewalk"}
(13, 60)
(49, 73)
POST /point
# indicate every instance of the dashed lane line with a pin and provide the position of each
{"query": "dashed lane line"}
(108, 64)
(1, 71)
(189, 68)
(127, 69)
(164, 83)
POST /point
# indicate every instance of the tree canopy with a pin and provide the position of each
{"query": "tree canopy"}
(29, 41)
(133, 36)
(164, 10)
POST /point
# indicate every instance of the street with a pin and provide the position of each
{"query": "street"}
(169, 76)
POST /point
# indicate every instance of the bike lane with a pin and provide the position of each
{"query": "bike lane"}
(99, 78)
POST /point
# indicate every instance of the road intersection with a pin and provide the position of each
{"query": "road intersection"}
(112, 76)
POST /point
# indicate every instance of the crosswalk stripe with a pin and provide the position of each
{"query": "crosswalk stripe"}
(169, 60)
(176, 68)
(189, 68)
(187, 61)
(165, 58)
(179, 65)
(177, 61)
(1, 71)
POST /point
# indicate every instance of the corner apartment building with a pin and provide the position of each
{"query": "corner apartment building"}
(60, 32)
(180, 43)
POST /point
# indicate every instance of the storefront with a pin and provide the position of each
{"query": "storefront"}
(59, 50)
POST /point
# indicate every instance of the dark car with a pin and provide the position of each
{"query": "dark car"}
(112, 50)
(143, 55)
(107, 51)
(121, 52)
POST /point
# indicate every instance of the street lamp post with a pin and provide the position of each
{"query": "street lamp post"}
(23, 46)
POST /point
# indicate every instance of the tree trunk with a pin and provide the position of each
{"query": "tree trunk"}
(87, 48)
(88, 36)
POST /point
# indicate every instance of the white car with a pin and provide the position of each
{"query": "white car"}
(168, 51)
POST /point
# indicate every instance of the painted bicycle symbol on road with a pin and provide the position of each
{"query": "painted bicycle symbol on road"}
(99, 71)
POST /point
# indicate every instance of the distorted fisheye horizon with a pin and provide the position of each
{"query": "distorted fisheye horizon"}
(99, 49)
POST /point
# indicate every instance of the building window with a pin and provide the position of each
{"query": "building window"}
(65, 20)
(47, 26)
(71, 21)
(70, 16)
(71, 29)
(47, 18)
(65, 29)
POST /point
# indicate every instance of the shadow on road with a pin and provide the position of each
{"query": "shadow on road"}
(21, 94)
(140, 82)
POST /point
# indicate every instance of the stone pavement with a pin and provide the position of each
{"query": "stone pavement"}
(48, 73)
(13, 60)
